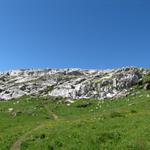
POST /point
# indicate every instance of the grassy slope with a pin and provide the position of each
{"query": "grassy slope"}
(120, 124)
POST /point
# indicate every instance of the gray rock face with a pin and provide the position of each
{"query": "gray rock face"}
(69, 83)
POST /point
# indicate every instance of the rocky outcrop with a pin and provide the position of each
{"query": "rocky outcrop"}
(69, 83)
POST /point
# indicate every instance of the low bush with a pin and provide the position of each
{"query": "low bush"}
(109, 136)
(114, 114)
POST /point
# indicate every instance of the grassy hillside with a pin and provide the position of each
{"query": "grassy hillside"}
(49, 124)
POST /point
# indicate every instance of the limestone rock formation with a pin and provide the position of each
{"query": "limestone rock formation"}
(69, 83)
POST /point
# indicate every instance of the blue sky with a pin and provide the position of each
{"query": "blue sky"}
(74, 33)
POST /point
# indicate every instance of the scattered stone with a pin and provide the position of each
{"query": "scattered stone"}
(10, 109)
(147, 86)
(68, 104)
(69, 101)
(131, 104)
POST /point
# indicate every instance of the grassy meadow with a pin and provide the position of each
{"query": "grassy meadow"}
(35, 123)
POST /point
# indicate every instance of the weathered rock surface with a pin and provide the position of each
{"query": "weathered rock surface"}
(69, 83)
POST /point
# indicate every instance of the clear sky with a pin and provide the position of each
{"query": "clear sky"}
(74, 33)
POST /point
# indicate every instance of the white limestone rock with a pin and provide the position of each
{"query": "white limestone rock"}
(69, 83)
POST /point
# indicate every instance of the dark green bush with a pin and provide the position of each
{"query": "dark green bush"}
(133, 111)
(107, 136)
(116, 114)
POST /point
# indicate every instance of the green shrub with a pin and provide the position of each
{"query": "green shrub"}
(133, 111)
(116, 114)
(50, 147)
(107, 136)
(84, 105)
(42, 136)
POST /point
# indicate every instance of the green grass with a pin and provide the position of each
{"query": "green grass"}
(121, 124)
(146, 79)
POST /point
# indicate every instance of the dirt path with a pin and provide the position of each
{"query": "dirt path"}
(17, 144)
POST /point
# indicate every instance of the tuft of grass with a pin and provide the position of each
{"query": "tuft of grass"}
(114, 114)
(139, 144)
(109, 136)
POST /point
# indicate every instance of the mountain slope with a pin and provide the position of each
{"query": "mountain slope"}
(112, 110)
(70, 83)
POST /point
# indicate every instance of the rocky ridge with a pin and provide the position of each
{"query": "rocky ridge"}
(70, 83)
